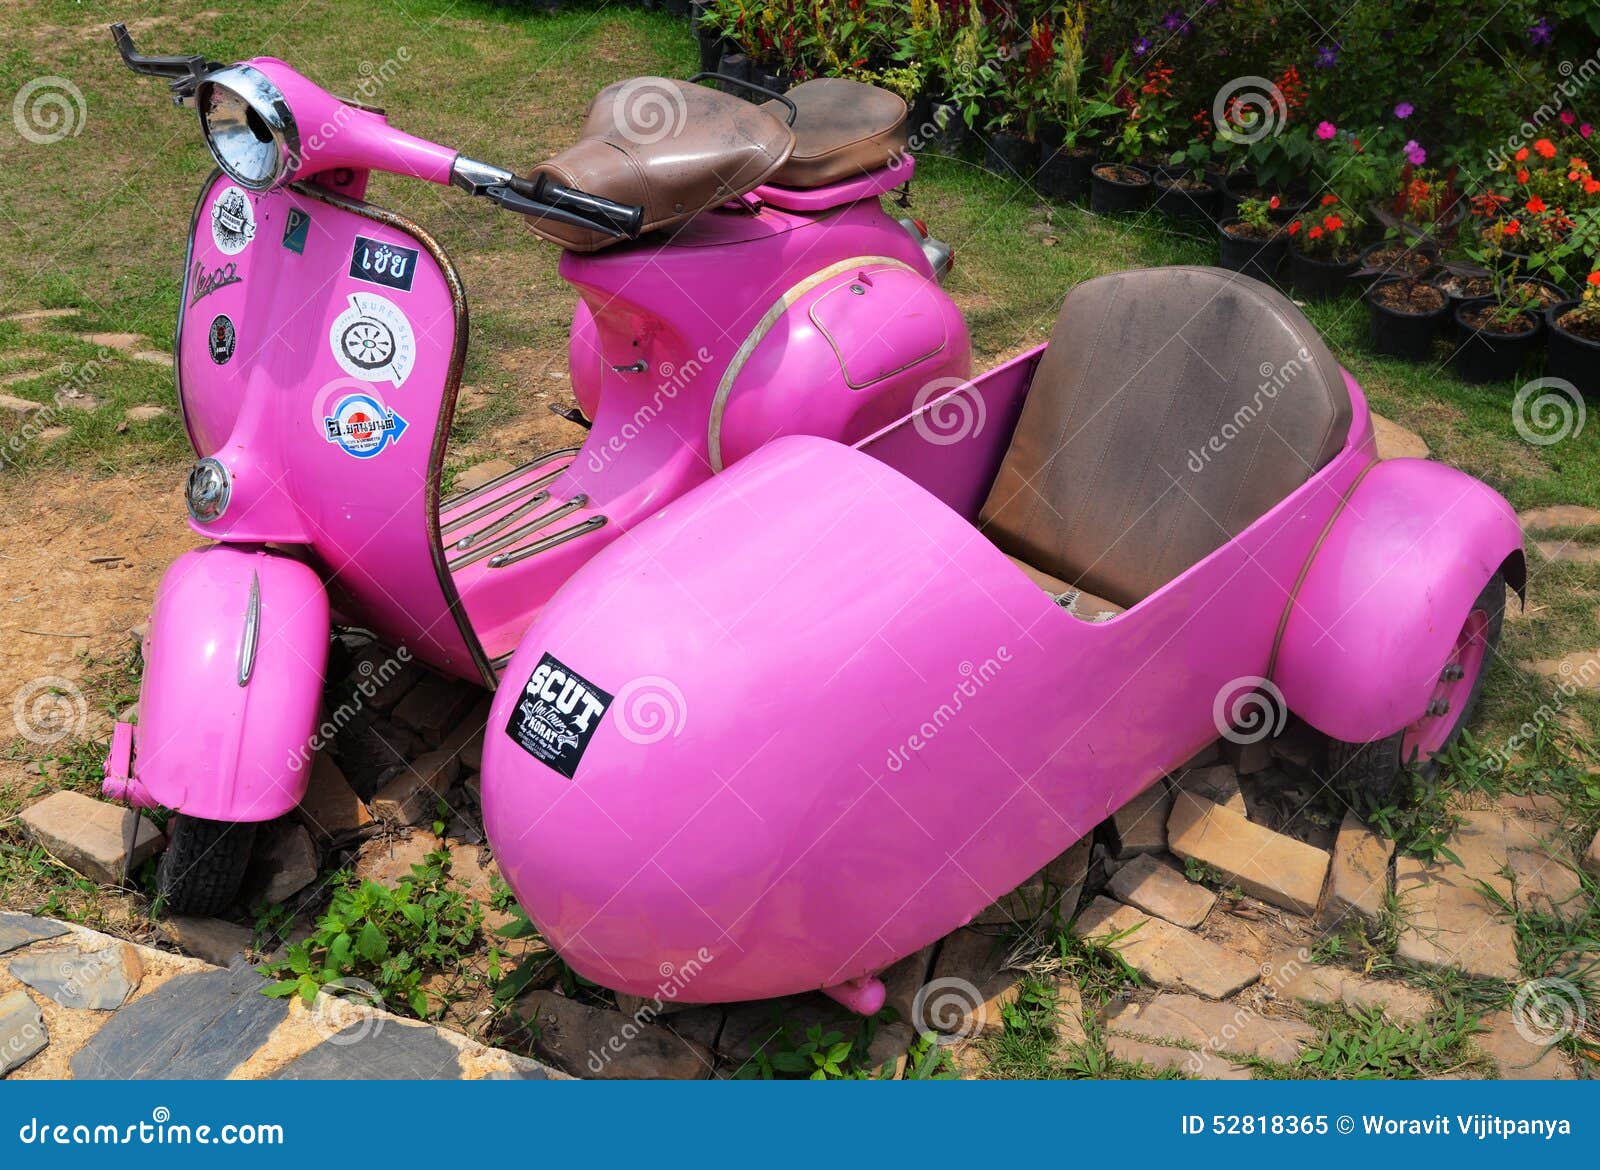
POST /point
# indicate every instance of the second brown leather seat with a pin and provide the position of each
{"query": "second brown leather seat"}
(1173, 407)
(843, 129)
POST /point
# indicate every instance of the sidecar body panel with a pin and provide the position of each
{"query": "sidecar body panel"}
(841, 722)
(1386, 594)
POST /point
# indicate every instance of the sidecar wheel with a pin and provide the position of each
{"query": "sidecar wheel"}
(201, 871)
(1377, 768)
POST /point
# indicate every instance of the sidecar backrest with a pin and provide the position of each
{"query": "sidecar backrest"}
(843, 129)
(1173, 407)
(673, 148)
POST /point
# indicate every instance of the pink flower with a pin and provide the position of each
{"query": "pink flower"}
(1326, 130)
(1415, 155)
(1404, 110)
(1585, 130)
(1568, 117)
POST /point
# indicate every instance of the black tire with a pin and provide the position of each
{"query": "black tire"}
(1376, 770)
(203, 867)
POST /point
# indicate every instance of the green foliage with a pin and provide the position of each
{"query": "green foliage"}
(1363, 1045)
(392, 937)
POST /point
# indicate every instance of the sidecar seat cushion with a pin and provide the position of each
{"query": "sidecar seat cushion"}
(842, 129)
(673, 148)
(1173, 407)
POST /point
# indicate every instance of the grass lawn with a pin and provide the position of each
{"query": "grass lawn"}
(96, 222)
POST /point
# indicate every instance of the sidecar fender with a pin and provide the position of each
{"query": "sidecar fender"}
(234, 665)
(1385, 595)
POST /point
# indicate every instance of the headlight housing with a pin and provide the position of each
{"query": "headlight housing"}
(248, 127)
(209, 488)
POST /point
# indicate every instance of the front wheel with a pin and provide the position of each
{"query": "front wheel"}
(203, 867)
(1376, 769)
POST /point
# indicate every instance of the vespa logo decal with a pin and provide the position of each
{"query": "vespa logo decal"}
(372, 340)
(202, 283)
(385, 264)
(557, 715)
(233, 221)
(362, 426)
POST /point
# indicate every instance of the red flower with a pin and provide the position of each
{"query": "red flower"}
(1328, 200)
(1522, 176)
(1273, 202)
(1294, 227)
(1315, 233)
(1545, 147)
(1332, 222)
(1591, 187)
(1536, 205)
(1594, 279)
(1512, 227)
(1521, 155)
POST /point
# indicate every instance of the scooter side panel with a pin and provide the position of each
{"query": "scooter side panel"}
(234, 663)
(319, 356)
(1386, 595)
(840, 722)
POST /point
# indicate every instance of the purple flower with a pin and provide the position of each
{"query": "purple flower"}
(1174, 20)
(1415, 155)
(1141, 46)
(1541, 32)
(1327, 57)
(1404, 110)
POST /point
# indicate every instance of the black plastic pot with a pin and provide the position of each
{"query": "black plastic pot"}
(768, 79)
(919, 121)
(1108, 195)
(1064, 175)
(1255, 258)
(738, 66)
(1399, 334)
(1010, 155)
(1319, 280)
(949, 133)
(1490, 357)
(1185, 204)
(1427, 252)
(1568, 356)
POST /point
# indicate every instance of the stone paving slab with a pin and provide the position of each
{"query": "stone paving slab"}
(1167, 955)
(20, 930)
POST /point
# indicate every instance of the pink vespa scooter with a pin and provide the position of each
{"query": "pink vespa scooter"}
(738, 281)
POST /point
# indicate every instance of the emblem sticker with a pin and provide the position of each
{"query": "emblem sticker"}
(556, 716)
(203, 283)
(220, 337)
(372, 340)
(385, 264)
(362, 426)
(295, 226)
(233, 221)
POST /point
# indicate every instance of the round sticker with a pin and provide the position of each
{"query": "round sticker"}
(233, 221)
(362, 426)
(220, 337)
(372, 340)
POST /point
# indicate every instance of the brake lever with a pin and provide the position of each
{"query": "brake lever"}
(533, 209)
(183, 73)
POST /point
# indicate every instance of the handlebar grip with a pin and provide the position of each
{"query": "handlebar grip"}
(604, 213)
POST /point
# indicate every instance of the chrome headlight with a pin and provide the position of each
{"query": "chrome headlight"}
(208, 490)
(248, 126)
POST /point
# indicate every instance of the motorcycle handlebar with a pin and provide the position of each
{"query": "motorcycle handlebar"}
(604, 214)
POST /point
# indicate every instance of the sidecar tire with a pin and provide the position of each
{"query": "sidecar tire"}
(1378, 769)
(203, 867)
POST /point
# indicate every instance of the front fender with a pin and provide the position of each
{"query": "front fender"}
(1385, 595)
(234, 665)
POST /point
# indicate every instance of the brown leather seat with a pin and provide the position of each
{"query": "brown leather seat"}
(1173, 407)
(842, 129)
(673, 148)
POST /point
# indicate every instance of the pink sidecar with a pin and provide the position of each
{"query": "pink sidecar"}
(826, 707)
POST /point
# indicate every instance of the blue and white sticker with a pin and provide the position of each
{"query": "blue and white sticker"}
(363, 426)
(372, 340)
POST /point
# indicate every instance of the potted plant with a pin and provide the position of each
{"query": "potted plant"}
(1397, 256)
(1461, 281)
(1497, 334)
(1116, 182)
(1070, 117)
(1323, 252)
(1254, 242)
(1426, 207)
(1185, 192)
(1573, 349)
(1403, 316)
(1009, 148)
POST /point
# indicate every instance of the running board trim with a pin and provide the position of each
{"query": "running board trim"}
(516, 493)
(516, 534)
(547, 542)
(460, 498)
